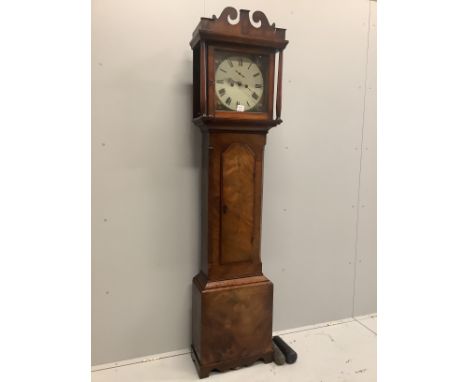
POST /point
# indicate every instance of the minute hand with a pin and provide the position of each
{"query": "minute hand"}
(240, 74)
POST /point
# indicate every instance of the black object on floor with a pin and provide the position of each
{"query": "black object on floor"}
(278, 355)
(289, 354)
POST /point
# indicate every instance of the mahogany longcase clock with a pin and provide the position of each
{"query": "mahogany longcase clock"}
(234, 105)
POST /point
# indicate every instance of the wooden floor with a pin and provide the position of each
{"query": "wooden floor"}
(338, 351)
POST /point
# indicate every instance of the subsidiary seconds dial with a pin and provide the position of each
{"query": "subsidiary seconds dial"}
(239, 83)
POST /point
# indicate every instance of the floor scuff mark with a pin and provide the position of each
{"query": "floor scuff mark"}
(327, 335)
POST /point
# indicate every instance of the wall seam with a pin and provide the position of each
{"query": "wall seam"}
(358, 199)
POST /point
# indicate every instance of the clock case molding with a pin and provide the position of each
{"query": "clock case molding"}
(232, 301)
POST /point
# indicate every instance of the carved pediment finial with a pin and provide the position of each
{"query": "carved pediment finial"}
(240, 24)
(259, 17)
(230, 14)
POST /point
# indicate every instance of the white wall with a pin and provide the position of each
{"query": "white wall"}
(319, 170)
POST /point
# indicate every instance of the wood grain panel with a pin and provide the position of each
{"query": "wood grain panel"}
(219, 268)
(238, 203)
(232, 322)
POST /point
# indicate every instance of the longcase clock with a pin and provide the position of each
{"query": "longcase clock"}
(234, 104)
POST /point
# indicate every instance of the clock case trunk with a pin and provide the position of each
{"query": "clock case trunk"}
(232, 301)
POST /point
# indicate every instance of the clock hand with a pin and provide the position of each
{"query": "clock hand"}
(233, 81)
(251, 95)
(239, 73)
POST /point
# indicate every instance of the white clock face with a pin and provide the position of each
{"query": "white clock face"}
(239, 83)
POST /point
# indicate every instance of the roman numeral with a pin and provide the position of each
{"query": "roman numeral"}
(230, 63)
(248, 103)
(222, 92)
(258, 86)
(228, 101)
(240, 62)
(250, 65)
(254, 95)
(257, 74)
(220, 81)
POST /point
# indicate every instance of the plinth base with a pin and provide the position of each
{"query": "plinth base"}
(231, 323)
(205, 370)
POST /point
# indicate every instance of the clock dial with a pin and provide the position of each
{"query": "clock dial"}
(239, 83)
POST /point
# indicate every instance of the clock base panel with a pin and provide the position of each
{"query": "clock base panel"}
(205, 370)
(231, 323)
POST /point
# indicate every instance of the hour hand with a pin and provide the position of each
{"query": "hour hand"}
(232, 82)
(228, 80)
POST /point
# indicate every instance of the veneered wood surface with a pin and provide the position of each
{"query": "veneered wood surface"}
(238, 198)
(232, 300)
(232, 322)
(235, 167)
